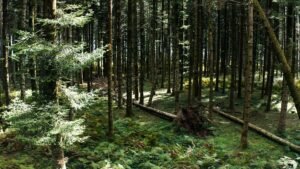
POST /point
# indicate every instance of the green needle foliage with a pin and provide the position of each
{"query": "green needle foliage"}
(40, 124)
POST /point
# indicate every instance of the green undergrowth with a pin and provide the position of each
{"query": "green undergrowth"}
(147, 142)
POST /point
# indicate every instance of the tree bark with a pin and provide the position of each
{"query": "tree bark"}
(241, 53)
(22, 57)
(224, 49)
(281, 127)
(135, 53)
(118, 44)
(109, 78)
(4, 52)
(169, 48)
(130, 55)
(233, 61)
(176, 53)
(248, 77)
(143, 52)
(153, 56)
(210, 60)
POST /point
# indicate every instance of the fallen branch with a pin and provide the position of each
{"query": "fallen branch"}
(261, 131)
(162, 114)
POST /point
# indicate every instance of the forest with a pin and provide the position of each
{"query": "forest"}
(149, 84)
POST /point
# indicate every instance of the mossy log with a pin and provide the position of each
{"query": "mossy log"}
(162, 114)
(261, 131)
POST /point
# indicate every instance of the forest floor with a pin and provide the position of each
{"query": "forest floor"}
(148, 142)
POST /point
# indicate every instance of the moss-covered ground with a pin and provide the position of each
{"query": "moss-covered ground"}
(148, 142)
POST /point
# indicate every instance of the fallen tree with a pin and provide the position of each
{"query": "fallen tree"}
(285, 67)
(191, 119)
(159, 113)
(261, 131)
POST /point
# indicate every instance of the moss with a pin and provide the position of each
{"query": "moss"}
(145, 141)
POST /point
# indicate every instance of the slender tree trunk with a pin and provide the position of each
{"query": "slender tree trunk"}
(210, 60)
(218, 51)
(248, 77)
(4, 53)
(109, 78)
(163, 46)
(241, 53)
(169, 47)
(199, 62)
(224, 49)
(142, 53)
(153, 53)
(271, 80)
(193, 69)
(289, 52)
(197, 53)
(22, 57)
(118, 43)
(135, 56)
(176, 53)
(129, 58)
(233, 61)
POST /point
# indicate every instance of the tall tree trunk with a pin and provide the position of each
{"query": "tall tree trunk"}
(199, 62)
(233, 60)
(271, 65)
(175, 29)
(224, 49)
(118, 43)
(218, 51)
(129, 58)
(109, 78)
(22, 57)
(4, 53)
(210, 60)
(135, 54)
(163, 46)
(248, 77)
(193, 66)
(241, 53)
(142, 53)
(169, 47)
(153, 57)
(281, 127)
(197, 53)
